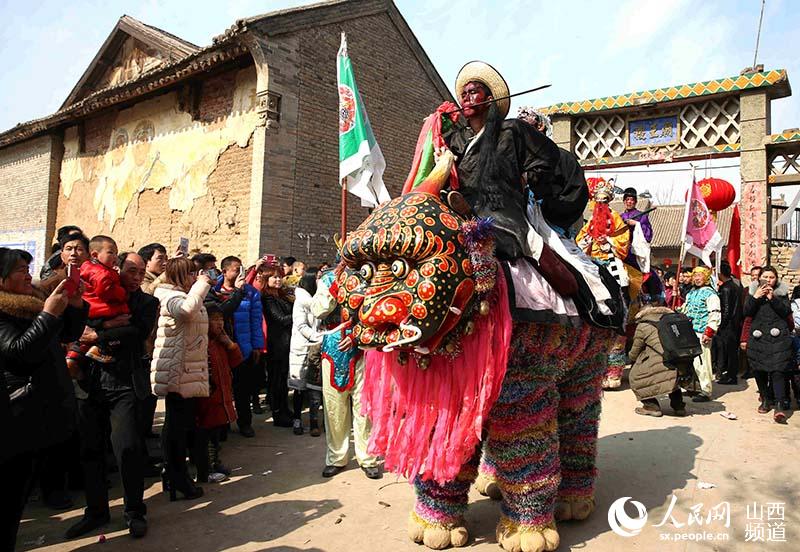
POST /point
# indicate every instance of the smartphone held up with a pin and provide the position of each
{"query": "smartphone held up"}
(73, 281)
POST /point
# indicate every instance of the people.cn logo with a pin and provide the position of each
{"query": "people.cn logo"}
(621, 523)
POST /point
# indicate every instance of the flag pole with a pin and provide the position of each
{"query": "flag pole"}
(675, 290)
(343, 226)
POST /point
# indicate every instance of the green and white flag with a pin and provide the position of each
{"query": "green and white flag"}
(361, 162)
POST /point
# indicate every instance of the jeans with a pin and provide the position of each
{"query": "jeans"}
(771, 386)
(314, 402)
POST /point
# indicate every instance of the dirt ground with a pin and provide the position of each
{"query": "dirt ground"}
(278, 501)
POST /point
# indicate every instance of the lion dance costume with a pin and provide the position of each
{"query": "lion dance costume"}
(485, 329)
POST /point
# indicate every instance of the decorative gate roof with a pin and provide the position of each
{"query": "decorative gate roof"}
(736, 83)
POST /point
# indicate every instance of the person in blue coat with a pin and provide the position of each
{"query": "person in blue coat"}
(245, 327)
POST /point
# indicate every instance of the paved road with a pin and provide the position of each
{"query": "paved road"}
(277, 500)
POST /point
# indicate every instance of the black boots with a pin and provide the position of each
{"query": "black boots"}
(175, 483)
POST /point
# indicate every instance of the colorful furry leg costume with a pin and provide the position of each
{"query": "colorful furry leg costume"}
(542, 435)
(577, 420)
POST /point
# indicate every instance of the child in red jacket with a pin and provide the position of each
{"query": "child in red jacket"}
(217, 410)
(107, 299)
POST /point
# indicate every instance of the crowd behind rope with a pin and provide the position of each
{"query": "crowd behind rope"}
(88, 349)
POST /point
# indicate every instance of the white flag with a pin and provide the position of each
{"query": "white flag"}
(361, 162)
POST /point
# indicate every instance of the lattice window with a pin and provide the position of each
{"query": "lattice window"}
(784, 163)
(599, 137)
(710, 123)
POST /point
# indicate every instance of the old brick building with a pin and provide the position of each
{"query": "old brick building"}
(233, 145)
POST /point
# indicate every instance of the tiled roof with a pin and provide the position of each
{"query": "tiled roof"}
(658, 95)
(224, 47)
(667, 222)
(157, 78)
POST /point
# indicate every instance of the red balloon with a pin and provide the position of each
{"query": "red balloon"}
(719, 194)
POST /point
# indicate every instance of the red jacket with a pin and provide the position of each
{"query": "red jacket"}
(217, 409)
(104, 292)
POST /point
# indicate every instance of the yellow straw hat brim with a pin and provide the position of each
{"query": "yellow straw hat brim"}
(482, 72)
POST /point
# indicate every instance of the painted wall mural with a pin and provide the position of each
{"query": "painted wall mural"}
(133, 59)
(156, 146)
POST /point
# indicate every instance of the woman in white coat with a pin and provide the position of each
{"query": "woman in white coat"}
(304, 375)
(179, 369)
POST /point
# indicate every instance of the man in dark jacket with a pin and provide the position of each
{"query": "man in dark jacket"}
(111, 395)
(726, 341)
(245, 325)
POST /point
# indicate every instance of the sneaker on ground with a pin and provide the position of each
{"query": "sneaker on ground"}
(217, 477)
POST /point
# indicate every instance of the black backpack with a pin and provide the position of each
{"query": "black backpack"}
(678, 339)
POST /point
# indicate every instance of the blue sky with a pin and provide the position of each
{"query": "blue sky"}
(584, 48)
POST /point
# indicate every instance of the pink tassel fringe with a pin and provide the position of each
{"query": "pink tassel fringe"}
(428, 422)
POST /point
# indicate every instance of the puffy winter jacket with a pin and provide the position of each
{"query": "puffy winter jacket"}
(304, 336)
(769, 343)
(248, 329)
(180, 357)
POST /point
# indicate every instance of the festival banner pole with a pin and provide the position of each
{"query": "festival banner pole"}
(676, 290)
(343, 225)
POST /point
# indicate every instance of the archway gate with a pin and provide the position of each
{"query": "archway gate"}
(728, 117)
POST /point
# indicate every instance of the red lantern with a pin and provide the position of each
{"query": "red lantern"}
(719, 194)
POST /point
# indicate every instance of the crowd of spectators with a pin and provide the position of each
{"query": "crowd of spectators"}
(89, 349)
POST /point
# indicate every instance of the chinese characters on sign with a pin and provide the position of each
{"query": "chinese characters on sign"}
(658, 131)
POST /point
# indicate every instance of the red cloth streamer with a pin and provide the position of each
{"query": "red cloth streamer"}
(428, 422)
(432, 125)
(735, 243)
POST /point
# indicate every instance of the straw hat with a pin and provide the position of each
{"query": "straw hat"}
(482, 72)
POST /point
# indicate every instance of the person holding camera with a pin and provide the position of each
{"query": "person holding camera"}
(179, 370)
(768, 339)
(37, 402)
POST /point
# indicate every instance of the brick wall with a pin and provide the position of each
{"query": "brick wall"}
(25, 172)
(397, 94)
(780, 256)
(216, 222)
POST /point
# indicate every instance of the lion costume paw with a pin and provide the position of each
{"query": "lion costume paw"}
(516, 538)
(488, 486)
(577, 508)
(436, 536)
